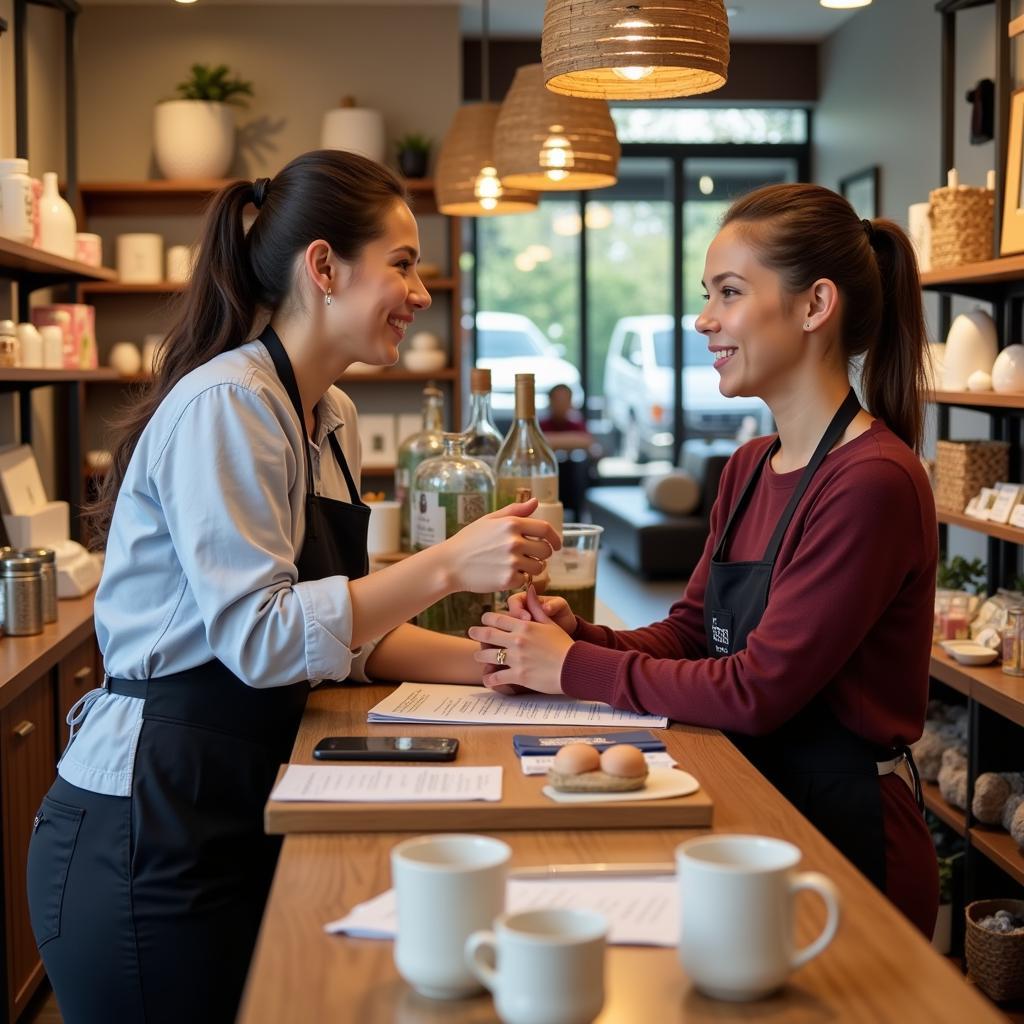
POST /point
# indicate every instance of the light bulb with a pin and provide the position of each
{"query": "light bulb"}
(556, 155)
(633, 74)
(487, 188)
(706, 184)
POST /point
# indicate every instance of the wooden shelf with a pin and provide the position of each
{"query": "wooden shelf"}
(978, 399)
(1002, 531)
(976, 278)
(26, 375)
(366, 471)
(988, 685)
(123, 288)
(1000, 848)
(947, 813)
(396, 376)
(947, 671)
(26, 261)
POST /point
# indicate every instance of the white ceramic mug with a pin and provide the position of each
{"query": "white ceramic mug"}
(383, 535)
(549, 965)
(447, 887)
(736, 898)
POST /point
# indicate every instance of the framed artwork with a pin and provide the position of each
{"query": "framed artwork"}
(377, 437)
(1011, 239)
(863, 191)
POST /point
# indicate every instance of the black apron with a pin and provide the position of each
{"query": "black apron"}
(829, 773)
(182, 910)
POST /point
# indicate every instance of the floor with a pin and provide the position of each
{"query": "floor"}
(636, 602)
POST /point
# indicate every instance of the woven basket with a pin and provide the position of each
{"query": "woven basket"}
(994, 961)
(962, 468)
(963, 225)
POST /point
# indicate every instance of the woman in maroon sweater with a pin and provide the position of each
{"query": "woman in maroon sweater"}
(805, 630)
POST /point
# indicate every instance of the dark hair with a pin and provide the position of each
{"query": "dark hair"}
(807, 232)
(560, 387)
(338, 196)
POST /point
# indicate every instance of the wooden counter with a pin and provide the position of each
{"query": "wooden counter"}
(877, 969)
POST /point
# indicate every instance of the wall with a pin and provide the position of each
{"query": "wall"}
(404, 61)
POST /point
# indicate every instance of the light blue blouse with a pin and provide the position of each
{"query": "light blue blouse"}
(200, 559)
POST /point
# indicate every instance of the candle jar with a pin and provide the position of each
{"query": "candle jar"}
(1012, 636)
(957, 621)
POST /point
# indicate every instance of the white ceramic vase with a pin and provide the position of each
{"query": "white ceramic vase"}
(355, 129)
(193, 138)
(56, 220)
(972, 344)
(1008, 371)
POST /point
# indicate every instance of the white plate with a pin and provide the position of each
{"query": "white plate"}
(662, 783)
(967, 652)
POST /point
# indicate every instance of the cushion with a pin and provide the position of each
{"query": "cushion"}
(676, 493)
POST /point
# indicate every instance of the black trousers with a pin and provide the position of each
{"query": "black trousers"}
(146, 908)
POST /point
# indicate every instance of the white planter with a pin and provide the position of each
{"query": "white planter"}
(193, 138)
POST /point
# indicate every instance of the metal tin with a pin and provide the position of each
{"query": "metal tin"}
(4, 552)
(21, 579)
(49, 560)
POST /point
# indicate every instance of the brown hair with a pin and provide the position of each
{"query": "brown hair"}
(807, 232)
(338, 196)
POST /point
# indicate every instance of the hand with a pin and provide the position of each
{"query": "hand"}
(534, 652)
(540, 609)
(499, 550)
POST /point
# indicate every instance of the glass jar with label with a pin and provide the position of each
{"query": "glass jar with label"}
(412, 451)
(1012, 636)
(449, 492)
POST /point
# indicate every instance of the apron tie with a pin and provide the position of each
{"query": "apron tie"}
(80, 711)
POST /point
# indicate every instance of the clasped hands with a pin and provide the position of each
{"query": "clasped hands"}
(524, 648)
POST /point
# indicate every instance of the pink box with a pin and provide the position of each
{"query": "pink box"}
(79, 332)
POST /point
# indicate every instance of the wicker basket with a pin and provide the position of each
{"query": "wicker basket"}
(962, 468)
(995, 961)
(963, 225)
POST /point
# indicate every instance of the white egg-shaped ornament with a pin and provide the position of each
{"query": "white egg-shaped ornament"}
(980, 381)
(126, 358)
(1008, 371)
(972, 344)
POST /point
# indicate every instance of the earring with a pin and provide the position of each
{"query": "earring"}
(327, 297)
(807, 323)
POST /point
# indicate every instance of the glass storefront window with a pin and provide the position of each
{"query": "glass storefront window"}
(762, 125)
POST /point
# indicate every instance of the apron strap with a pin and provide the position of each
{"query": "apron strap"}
(737, 510)
(842, 419)
(339, 455)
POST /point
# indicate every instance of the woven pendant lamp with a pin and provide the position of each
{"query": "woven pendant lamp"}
(466, 180)
(553, 143)
(614, 50)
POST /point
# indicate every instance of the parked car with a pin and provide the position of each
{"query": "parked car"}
(638, 388)
(510, 343)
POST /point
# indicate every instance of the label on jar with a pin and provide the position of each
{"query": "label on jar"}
(428, 519)
(544, 488)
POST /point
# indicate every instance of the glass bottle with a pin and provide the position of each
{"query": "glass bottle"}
(8, 344)
(1012, 636)
(483, 441)
(450, 491)
(413, 450)
(526, 459)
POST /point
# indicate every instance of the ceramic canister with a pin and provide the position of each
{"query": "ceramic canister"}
(354, 129)
(140, 258)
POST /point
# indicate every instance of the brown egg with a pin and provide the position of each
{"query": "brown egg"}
(576, 758)
(623, 761)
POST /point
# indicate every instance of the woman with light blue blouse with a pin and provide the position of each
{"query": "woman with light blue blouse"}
(236, 578)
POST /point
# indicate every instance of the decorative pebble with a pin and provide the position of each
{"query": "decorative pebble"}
(1003, 922)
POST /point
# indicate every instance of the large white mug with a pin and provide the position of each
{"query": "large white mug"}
(447, 887)
(736, 906)
(549, 965)
(384, 533)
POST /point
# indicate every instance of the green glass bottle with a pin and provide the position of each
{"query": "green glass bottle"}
(413, 450)
(483, 441)
(526, 459)
(450, 491)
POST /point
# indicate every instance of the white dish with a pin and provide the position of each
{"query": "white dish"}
(425, 360)
(662, 783)
(968, 652)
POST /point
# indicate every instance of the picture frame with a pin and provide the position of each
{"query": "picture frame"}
(862, 190)
(377, 439)
(1011, 236)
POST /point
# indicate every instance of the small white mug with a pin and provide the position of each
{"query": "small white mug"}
(384, 533)
(736, 897)
(447, 887)
(549, 965)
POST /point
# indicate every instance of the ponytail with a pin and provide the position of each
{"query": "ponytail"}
(806, 232)
(338, 196)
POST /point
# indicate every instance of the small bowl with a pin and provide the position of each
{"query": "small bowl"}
(424, 341)
(429, 361)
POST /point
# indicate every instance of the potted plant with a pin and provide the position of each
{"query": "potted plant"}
(194, 135)
(413, 155)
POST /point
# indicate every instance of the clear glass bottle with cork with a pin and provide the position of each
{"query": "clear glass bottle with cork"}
(483, 440)
(451, 491)
(413, 450)
(526, 459)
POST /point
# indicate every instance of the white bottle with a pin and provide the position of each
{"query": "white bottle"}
(53, 347)
(57, 220)
(15, 201)
(30, 346)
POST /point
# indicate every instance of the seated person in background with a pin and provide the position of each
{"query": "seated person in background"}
(564, 427)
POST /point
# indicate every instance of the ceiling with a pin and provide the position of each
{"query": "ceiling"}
(796, 20)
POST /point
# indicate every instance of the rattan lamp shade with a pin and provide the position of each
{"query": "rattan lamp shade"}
(613, 50)
(554, 143)
(467, 149)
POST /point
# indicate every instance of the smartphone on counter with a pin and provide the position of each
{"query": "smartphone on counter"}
(386, 748)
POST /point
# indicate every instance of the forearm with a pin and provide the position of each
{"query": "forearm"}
(423, 656)
(392, 596)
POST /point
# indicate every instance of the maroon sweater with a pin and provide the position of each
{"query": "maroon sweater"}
(849, 611)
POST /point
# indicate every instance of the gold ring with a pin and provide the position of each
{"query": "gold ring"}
(528, 579)
(501, 655)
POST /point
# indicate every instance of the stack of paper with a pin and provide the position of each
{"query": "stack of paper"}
(364, 783)
(476, 705)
